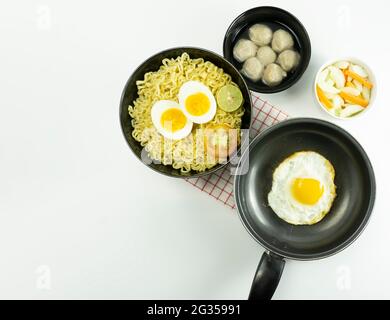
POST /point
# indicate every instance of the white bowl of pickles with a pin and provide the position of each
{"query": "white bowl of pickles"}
(345, 88)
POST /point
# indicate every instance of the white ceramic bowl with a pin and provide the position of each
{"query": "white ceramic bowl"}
(371, 77)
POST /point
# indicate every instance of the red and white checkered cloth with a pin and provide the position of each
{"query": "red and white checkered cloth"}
(219, 185)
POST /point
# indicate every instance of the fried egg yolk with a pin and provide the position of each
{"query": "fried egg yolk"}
(173, 120)
(307, 191)
(197, 104)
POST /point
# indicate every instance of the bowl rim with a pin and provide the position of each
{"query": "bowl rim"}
(195, 174)
(371, 76)
(280, 87)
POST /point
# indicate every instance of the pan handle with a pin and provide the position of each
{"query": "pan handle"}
(267, 277)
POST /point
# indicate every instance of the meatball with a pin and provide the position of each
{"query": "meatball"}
(273, 75)
(260, 34)
(288, 60)
(282, 40)
(252, 69)
(266, 55)
(244, 49)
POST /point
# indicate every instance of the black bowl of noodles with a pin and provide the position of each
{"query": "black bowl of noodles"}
(137, 128)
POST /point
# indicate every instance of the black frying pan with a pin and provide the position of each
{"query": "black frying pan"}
(350, 212)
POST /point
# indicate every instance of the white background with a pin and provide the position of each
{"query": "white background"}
(81, 217)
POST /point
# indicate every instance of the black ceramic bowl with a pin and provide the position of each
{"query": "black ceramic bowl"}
(275, 18)
(130, 94)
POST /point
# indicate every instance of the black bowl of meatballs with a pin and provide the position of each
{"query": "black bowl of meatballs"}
(270, 47)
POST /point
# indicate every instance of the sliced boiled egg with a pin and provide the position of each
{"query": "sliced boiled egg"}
(170, 120)
(197, 102)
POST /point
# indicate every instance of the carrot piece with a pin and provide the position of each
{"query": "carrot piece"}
(355, 76)
(345, 75)
(324, 100)
(353, 99)
(350, 85)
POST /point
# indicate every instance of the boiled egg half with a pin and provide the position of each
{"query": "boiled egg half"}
(170, 120)
(197, 102)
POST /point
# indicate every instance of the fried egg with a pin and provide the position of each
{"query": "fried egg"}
(303, 188)
(170, 120)
(197, 102)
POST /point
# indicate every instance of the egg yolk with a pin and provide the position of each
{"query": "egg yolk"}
(173, 120)
(307, 191)
(197, 104)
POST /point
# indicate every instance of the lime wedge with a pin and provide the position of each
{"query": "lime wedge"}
(229, 98)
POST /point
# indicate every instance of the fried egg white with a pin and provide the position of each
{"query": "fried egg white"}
(303, 188)
(169, 120)
(197, 102)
